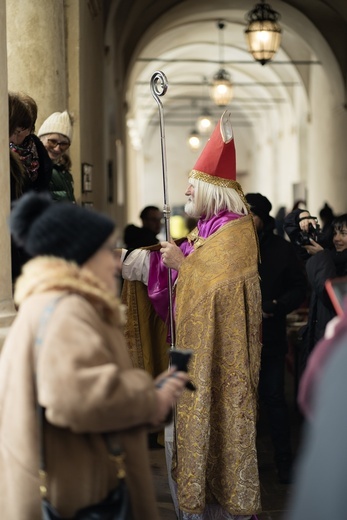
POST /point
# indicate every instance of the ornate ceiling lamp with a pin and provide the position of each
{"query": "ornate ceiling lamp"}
(263, 33)
(194, 141)
(204, 123)
(222, 87)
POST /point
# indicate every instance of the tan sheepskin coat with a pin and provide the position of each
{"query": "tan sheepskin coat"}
(87, 385)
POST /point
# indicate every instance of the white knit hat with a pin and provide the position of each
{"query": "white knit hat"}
(57, 123)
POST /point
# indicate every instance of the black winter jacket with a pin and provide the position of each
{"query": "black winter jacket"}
(282, 278)
(320, 267)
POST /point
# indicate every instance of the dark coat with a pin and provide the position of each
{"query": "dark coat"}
(135, 237)
(319, 267)
(61, 186)
(40, 184)
(282, 278)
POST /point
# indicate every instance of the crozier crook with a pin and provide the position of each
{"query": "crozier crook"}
(159, 86)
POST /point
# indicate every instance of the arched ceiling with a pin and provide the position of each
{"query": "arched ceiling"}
(181, 38)
(131, 20)
(189, 55)
(271, 103)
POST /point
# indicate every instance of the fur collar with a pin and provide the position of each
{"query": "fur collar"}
(44, 273)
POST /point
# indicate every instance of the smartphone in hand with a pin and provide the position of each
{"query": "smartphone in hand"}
(180, 359)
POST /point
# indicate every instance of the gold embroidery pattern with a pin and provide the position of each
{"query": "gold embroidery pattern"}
(219, 317)
(193, 235)
(194, 238)
(132, 327)
(144, 331)
(213, 179)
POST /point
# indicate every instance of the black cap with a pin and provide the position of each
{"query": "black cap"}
(62, 229)
(260, 205)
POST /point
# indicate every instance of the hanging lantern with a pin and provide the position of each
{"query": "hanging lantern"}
(194, 140)
(204, 123)
(222, 87)
(263, 33)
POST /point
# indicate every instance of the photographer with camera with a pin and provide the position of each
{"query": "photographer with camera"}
(326, 257)
(300, 227)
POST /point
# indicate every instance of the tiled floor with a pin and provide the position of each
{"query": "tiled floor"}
(274, 495)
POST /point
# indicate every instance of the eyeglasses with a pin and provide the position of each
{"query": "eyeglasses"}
(63, 145)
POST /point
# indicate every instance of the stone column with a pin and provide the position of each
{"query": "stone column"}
(44, 61)
(7, 311)
(36, 50)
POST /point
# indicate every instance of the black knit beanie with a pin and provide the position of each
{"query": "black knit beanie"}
(259, 205)
(62, 229)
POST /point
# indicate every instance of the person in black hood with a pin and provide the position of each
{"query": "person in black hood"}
(283, 287)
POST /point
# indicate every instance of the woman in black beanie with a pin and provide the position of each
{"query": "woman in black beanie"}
(66, 350)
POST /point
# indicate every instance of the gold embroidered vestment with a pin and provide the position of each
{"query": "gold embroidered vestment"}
(218, 315)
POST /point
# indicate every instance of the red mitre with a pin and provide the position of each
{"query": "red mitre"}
(217, 162)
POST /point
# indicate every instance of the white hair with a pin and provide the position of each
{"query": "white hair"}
(210, 199)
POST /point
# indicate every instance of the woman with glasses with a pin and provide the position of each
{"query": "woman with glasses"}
(56, 133)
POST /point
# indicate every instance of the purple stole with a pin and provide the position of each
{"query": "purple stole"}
(158, 277)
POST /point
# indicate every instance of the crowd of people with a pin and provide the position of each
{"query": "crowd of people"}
(103, 377)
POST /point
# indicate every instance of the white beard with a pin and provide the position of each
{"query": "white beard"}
(189, 208)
